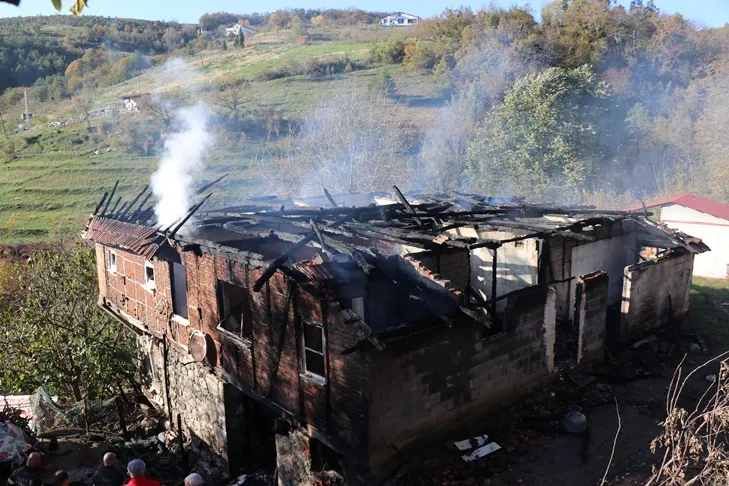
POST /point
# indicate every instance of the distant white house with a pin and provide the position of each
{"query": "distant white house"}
(132, 101)
(237, 28)
(399, 19)
(702, 218)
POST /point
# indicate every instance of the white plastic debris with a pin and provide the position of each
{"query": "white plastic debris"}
(478, 441)
(478, 446)
(481, 452)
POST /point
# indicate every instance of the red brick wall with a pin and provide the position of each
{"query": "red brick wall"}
(335, 409)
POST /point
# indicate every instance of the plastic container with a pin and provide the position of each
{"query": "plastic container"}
(575, 421)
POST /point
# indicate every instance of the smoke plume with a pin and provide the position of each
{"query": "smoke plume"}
(182, 158)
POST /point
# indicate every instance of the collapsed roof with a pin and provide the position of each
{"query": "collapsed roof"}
(323, 240)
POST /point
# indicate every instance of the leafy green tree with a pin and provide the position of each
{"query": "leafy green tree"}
(224, 45)
(54, 334)
(543, 136)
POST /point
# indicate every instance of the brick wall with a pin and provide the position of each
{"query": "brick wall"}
(423, 383)
(450, 267)
(654, 293)
(592, 316)
(334, 410)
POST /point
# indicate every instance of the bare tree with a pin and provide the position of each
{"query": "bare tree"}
(353, 142)
(84, 105)
(162, 107)
(231, 98)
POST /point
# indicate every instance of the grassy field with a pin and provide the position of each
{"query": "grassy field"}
(710, 310)
(55, 178)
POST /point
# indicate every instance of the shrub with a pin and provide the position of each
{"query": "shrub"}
(419, 55)
(388, 52)
(382, 83)
(303, 40)
(285, 69)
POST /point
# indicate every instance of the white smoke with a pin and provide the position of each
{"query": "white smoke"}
(172, 183)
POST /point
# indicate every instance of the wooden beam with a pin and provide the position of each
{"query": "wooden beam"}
(210, 184)
(331, 199)
(98, 206)
(134, 201)
(189, 215)
(111, 196)
(407, 205)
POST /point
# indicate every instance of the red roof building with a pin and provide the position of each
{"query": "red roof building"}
(702, 218)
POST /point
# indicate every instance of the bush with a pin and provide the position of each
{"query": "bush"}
(382, 83)
(388, 52)
(303, 40)
(285, 69)
(419, 55)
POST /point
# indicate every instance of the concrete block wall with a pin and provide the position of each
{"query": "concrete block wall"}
(423, 383)
(654, 293)
(592, 316)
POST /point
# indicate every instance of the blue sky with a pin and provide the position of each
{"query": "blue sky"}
(712, 13)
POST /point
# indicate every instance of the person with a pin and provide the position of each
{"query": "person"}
(136, 470)
(61, 478)
(109, 474)
(194, 479)
(25, 474)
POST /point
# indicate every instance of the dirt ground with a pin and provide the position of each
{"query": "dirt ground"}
(536, 450)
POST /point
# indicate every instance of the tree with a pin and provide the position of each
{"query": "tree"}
(543, 136)
(382, 83)
(162, 107)
(353, 142)
(76, 7)
(224, 45)
(53, 333)
(231, 98)
(84, 104)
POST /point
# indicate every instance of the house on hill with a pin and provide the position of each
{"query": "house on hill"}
(399, 19)
(237, 28)
(133, 101)
(703, 218)
(349, 328)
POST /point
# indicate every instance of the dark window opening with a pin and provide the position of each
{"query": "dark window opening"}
(179, 290)
(235, 309)
(112, 261)
(149, 275)
(314, 349)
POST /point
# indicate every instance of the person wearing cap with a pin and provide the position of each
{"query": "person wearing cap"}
(137, 470)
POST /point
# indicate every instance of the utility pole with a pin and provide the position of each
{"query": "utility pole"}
(3, 124)
(27, 113)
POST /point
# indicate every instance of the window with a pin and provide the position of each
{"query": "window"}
(179, 290)
(149, 275)
(112, 261)
(400, 21)
(314, 349)
(235, 310)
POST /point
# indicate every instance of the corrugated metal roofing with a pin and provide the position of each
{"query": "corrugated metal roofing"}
(142, 240)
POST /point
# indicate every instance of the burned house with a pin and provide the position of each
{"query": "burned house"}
(360, 331)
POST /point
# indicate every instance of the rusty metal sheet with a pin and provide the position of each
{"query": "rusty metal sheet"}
(142, 240)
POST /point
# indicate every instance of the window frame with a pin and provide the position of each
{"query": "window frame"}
(246, 317)
(112, 256)
(314, 376)
(173, 291)
(150, 285)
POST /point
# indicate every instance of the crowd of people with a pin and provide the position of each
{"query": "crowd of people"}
(109, 474)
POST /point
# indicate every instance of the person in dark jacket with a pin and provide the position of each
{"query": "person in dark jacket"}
(23, 476)
(109, 474)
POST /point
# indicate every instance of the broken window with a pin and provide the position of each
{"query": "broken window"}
(149, 275)
(235, 309)
(179, 290)
(314, 349)
(112, 261)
